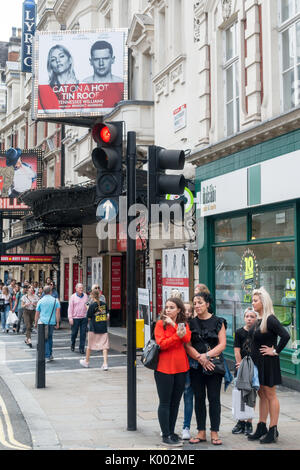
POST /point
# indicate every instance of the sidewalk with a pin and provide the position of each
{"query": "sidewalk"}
(87, 409)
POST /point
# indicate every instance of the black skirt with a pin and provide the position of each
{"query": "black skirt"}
(268, 370)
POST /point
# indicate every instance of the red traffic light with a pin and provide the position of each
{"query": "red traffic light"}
(104, 133)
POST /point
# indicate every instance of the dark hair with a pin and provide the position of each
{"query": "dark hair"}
(98, 45)
(181, 318)
(207, 299)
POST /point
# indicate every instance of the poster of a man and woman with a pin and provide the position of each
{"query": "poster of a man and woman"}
(79, 73)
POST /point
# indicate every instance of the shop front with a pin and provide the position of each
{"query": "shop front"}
(252, 229)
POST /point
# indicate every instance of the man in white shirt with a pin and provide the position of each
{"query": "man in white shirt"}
(24, 176)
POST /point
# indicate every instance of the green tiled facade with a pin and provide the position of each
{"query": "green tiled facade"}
(249, 157)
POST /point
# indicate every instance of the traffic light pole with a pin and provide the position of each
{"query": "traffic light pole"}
(131, 285)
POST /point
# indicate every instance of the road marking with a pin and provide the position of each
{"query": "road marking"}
(82, 369)
(16, 361)
(13, 443)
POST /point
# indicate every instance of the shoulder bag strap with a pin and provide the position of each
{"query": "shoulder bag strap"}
(52, 312)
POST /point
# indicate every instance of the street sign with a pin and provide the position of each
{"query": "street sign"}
(107, 210)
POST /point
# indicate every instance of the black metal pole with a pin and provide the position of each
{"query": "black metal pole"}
(131, 285)
(40, 375)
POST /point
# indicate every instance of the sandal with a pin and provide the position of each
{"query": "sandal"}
(216, 441)
(196, 440)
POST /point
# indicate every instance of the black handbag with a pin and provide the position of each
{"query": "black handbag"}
(150, 354)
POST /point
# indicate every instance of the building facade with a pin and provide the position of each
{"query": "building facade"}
(219, 80)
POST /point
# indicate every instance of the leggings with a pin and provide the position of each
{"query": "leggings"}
(170, 388)
(211, 384)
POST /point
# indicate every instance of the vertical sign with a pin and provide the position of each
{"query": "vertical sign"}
(28, 30)
(158, 275)
(66, 286)
(144, 311)
(175, 274)
(150, 289)
(116, 273)
(75, 275)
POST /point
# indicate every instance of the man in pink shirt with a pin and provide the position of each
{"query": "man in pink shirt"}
(77, 312)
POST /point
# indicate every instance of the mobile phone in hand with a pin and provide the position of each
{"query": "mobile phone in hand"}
(181, 326)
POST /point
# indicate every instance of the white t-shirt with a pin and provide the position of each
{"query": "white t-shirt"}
(23, 178)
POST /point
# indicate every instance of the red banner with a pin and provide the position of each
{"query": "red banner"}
(80, 96)
(66, 282)
(176, 282)
(116, 278)
(11, 259)
(141, 242)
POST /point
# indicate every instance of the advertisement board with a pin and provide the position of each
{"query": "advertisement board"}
(79, 73)
(175, 273)
(20, 171)
(144, 311)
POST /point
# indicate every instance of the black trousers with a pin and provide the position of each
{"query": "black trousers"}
(203, 384)
(170, 388)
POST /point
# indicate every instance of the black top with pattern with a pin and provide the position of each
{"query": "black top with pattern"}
(208, 330)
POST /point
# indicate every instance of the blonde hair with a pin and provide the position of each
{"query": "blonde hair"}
(201, 288)
(267, 307)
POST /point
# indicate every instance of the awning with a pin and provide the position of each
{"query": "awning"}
(63, 207)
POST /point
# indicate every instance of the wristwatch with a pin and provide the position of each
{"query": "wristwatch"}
(275, 352)
(207, 356)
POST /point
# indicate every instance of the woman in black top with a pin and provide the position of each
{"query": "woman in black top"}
(265, 354)
(212, 329)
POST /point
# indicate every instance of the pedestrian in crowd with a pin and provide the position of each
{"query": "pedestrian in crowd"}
(98, 339)
(265, 355)
(16, 302)
(11, 286)
(242, 348)
(188, 395)
(201, 288)
(212, 330)
(6, 308)
(40, 292)
(102, 296)
(48, 313)
(77, 315)
(171, 333)
(36, 287)
(21, 321)
(29, 303)
(1, 287)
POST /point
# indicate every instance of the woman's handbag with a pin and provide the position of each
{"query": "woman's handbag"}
(150, 354)
(218, 362)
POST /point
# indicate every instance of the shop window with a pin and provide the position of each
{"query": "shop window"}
(231, 70)
(290, 58)
(240, 269)
(279, 223)
(233, 229)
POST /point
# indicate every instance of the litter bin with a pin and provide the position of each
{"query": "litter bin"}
(140, 339)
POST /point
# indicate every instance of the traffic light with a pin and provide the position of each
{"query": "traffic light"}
(107, 158)
(159, 184)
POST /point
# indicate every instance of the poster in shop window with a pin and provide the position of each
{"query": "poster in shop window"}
(175, 273)
(97, 272)
(79, 73)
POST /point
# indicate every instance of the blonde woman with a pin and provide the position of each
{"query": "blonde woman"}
(265, 355)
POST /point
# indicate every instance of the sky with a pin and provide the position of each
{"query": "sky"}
(11, 15)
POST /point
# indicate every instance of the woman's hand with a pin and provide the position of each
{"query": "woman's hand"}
(267, 351)
(205, 363)
(169, 320)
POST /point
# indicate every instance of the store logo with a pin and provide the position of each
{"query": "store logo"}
(209, 198)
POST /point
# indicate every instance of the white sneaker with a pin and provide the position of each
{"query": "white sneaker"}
(104, 367)
(186, 435)
(83, 363)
